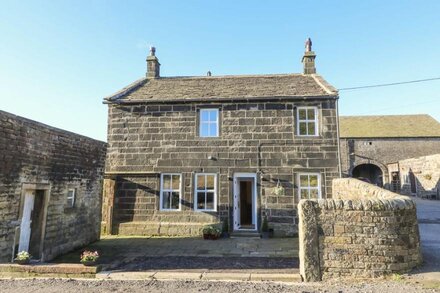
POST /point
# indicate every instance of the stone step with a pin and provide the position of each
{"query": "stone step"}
(245, 234)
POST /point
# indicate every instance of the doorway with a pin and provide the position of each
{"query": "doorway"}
(245, 201)
(32, 226)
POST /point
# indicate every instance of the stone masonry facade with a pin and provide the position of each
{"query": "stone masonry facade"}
(426, 173)
(255, 137)
(48, 161)
(363, 232)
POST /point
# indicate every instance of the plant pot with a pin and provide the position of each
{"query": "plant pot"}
(265, 235)
(271, 233)
(89, 263)
(225, 235)
(22, 261)
(214, 236)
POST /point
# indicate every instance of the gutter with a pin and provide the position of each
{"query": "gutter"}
(338, 138)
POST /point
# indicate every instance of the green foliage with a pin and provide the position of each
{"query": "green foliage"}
(23, 255)
(212, 230)
(265, 225)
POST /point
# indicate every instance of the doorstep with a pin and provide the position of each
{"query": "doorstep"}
(48, 270)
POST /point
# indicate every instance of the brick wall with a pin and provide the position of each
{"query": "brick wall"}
(364, 232)
(253, 137)
(34, 154)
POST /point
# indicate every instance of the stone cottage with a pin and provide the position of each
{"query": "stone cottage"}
(371, 146)
(50, 189)
(187, 151)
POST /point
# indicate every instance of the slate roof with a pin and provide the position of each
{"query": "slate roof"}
(388, 126)
(228, 87)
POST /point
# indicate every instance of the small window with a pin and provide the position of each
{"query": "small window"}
(309, 186)
(209, 121)
(307, 118)
(170, 192)
(71, 198)
(205, 192)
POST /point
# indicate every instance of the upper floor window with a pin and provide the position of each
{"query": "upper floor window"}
(309, 186)
(170, 191)
(209, 123)
(71, 193)
(205, 192)
(307, 121)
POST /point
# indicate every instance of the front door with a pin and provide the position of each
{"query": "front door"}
(26, 221)
(245, 203)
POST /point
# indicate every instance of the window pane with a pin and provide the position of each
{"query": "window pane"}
(176, 182)
(304, 180)
(210, 182)
(304, 194)
(166, 200)
(166, 181)
(311, 114)
(204, 130)
(213, 115)
(311, 128)
(210, 200)
(175, 200)
(200, 182)
(303, 128)
(302, 114)
(314, 193)
(213, 129)
(313, 180)
(201, 200)
(204, 115)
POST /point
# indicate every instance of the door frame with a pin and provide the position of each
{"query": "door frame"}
(29, 187)
(236, 210)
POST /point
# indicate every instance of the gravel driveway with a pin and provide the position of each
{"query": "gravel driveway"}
(66, 286)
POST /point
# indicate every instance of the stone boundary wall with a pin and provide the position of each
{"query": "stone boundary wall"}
(363, 232)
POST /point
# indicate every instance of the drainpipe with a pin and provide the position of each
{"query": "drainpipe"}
(339, 140)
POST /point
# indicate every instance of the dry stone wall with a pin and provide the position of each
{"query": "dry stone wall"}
(34, 154)
(364, 231)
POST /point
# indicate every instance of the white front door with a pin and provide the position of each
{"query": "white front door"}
(26, 221)
(249, 177)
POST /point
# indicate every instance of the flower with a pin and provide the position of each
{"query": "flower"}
(23, 255)
(89, 256)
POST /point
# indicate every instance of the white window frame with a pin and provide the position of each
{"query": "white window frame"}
(162, 190)
(309, 187)
(316, 121)
(196, 190)
(209, 122)
(73, 197)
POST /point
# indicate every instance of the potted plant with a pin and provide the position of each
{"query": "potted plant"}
(265, 228)
(225, 229)
(89, 258)
(23, 258)
(211, 232)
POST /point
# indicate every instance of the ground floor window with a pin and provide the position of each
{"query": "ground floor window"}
(205, 192)
(309, 185)
(170, 191)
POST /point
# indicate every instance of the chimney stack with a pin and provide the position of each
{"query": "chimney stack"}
(153, 65)
(308, 59)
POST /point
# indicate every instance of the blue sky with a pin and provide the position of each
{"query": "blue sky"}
(58, 59)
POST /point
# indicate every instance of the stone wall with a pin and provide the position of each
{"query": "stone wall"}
(426, 172)
(383, 151)
(146, 140)
(37, 156)
(363, 232)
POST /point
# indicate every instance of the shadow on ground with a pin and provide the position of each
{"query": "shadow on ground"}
(146, 253)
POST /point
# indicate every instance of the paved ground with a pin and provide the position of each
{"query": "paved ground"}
(428, 214)
(69, 285)
(144, 253)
